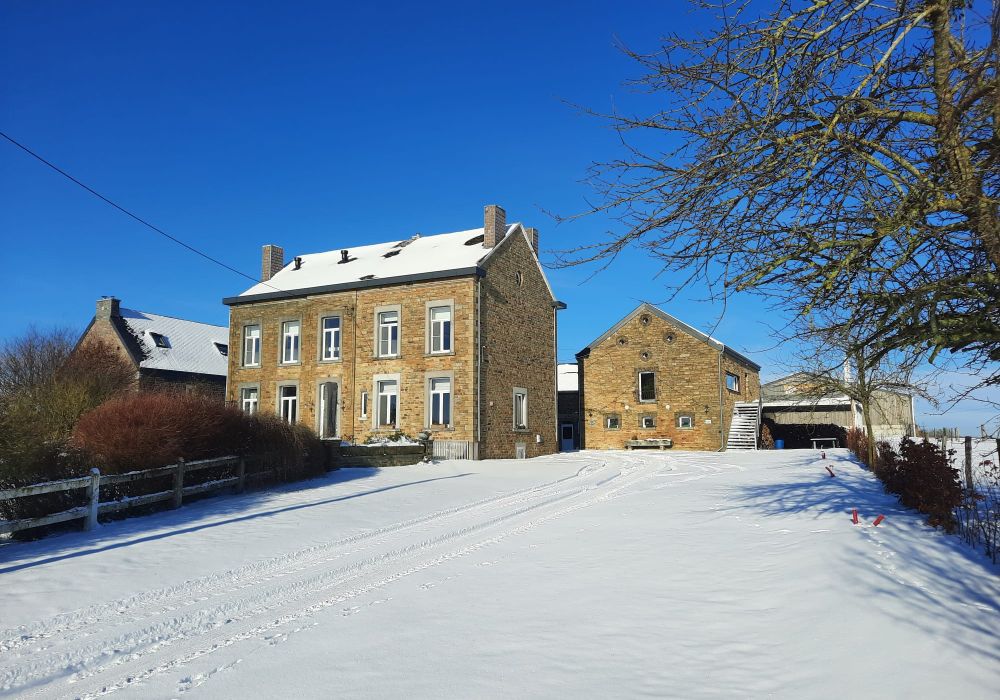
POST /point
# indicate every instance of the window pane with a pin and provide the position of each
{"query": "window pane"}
(647, 386)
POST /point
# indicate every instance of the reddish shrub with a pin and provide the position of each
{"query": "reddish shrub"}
(926, 480)
(141, 431)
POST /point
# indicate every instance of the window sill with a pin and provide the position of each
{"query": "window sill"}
(290, 364)
(387, 357)
(450, 353)
(257, 366)
(334, 361)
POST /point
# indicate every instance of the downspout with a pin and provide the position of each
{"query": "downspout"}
(354, 368)
(722, 408)
(555, 378)
(479, 364)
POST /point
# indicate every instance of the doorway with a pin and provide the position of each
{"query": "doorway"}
(567, 437)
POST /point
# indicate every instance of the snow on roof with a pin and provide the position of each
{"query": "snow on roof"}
(190, 346)
(567, 377)
(381, 261)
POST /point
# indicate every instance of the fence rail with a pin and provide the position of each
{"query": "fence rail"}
(93, 483)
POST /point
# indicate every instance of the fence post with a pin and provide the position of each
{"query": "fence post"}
(179, 483)
(968, 463)
(242, 474)
(94, 498)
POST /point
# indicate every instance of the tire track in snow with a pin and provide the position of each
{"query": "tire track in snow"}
(190, 593)
(40, 668)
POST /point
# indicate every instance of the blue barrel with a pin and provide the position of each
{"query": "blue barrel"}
(779, 444)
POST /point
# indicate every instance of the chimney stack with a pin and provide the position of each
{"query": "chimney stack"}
(108, 308)
(533, 237)
(272, 261)
(494, 225)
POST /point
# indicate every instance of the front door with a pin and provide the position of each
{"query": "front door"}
(566, 442)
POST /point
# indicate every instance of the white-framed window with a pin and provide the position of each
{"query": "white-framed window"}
(733, 382)
(290, 341)
(387, 406)
(251, 345)
(685, 421)
(288, 402)
(364, 404)
(439, 318)
(613, 421)
(647, 421)
(440, 397)
(249, 399)
(330, 338)
(520, 409)
(647, 386)
(329, 393)
(388, 333)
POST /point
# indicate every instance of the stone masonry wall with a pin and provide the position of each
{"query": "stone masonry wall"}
(518, 337)
(688, 379)
(355, 370)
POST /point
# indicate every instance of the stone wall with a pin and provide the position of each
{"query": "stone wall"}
(689, 381)
(379, 457)
(355, 370)
(519, 350)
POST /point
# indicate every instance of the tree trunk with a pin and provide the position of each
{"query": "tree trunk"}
(865, 406)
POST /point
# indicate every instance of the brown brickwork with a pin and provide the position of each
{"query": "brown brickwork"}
(689, 381)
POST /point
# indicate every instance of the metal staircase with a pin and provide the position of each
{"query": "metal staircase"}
(745, 427)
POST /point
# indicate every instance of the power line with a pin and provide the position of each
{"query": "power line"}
(125, 211)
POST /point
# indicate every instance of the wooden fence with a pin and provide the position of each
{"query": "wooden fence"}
(93, 483)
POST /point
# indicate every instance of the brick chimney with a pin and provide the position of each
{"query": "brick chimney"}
(494, 225)
(533, 237)
(272, 261)
(108, 308)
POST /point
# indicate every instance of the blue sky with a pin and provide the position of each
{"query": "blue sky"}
(317, 126)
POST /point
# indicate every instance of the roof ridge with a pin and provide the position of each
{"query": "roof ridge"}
(176, 318)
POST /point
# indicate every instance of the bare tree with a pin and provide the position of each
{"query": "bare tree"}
(834, 154)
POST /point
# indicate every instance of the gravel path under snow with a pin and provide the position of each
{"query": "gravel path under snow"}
(591, 574)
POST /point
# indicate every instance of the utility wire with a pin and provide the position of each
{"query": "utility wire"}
(130, 214)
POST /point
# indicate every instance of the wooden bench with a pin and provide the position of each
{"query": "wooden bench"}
(649, 443)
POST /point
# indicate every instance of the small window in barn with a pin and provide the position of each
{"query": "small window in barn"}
(685, 421)
(222, 348)
(733, 382)
(159, 340)
(644, 355)
(647, 387)
(623, 342)
(647, 421)
(613, 421)
(644, 320)
(519, 278)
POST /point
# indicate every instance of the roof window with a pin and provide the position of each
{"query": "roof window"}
(159, 340)
(222, 348)
(368, 277)
(476, 240)
(391, 253)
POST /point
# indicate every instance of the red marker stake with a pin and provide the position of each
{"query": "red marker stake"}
(822, 455)
(831, 471)
(854, 516)
(878, 520)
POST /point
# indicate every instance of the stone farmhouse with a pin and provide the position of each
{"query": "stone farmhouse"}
(167, 352)
(454, 334)
(793, 400)
(653, 378)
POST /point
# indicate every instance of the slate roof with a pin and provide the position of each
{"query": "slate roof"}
(191, 346)
(410, 259)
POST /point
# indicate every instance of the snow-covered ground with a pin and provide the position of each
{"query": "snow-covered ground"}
(595, 574)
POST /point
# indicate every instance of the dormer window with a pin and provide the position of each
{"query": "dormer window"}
(222, 348)
(159, 340)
